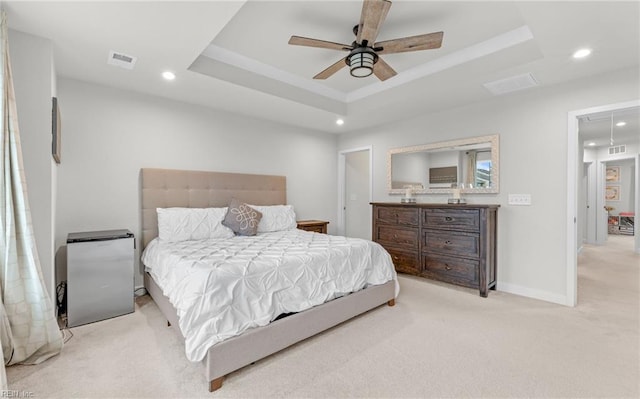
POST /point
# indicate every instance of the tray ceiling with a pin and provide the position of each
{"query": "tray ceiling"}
(234, 56)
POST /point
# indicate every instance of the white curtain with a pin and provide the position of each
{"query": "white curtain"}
(28, 328)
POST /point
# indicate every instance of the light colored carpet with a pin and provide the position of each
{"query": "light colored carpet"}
(438, 341)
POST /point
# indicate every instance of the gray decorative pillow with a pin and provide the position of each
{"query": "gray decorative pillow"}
(242, 219)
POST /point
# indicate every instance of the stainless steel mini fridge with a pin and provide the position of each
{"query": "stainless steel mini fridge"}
(99, 275)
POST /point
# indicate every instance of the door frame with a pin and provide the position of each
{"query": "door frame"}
(342, 181)
(573, 165)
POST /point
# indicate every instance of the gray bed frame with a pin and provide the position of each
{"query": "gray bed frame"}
(164, 188)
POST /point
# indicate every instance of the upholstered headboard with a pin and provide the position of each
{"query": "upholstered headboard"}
(165, 188)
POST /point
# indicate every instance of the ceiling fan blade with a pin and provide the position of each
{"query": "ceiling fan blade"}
(412, 43)
(382, 70)
(373, 15)
(331, 70)
(305, 41)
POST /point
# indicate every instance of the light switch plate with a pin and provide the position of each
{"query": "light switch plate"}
(519, 199)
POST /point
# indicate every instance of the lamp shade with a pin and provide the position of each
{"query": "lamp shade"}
(361, 62)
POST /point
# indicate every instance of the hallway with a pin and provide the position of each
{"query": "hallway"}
(609, 275)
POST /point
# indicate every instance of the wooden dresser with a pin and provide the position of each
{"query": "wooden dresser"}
(450, 243)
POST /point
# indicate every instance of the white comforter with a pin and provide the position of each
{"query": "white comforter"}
(222, 287)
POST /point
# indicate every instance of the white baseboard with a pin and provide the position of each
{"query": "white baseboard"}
(532, 293)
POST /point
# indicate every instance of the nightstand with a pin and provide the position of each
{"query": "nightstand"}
(319, 226)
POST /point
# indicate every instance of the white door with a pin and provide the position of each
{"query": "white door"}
(602, 216)
(357, 210)
(583, 222)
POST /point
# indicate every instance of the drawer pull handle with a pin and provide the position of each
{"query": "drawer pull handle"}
(447, 242)
(395, 236)
(446, 267)
(396, 258)
(448, 218)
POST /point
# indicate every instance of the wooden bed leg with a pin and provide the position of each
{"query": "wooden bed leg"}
(215, 384)
(391, 302)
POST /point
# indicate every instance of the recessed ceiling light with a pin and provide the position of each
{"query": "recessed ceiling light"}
(168, 75)
(582, 53)
(591, 144)
(621, 123)
(340, 122)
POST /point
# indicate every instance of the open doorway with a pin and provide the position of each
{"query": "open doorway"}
(609, 142)
(587, 164)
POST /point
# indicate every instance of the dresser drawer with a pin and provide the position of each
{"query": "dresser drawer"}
(397, 215)
(452, 219)
(396, 236)
(405, 262)
(451, 243)
(452, 270)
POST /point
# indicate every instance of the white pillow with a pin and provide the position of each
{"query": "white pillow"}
(276, 218)
(186, 224)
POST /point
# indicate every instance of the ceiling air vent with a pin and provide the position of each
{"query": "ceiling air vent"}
(619, 149)
(121, 60)
(511, 84)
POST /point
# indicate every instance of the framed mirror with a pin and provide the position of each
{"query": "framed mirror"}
(436, 168)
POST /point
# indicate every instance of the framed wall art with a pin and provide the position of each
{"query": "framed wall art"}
(613, 174)
(612, 193)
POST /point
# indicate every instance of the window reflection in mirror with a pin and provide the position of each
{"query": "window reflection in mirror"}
(435, 168)
(482, 172)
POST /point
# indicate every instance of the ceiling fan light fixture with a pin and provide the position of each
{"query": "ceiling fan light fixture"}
(361, 61)
(363, 52)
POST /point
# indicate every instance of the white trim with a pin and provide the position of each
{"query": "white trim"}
(342, 181)
(260, 68)
(572, 191)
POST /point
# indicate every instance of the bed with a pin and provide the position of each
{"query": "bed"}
(165, 188)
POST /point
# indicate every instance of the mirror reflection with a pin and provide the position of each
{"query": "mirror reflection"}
(436, 168)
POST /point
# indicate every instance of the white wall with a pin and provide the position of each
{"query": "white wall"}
(34, 85)
(109, 134)
(533, 159)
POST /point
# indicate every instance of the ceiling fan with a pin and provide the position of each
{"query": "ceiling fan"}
(363, 58)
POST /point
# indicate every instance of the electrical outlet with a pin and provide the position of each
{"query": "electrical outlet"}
(519, 199)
